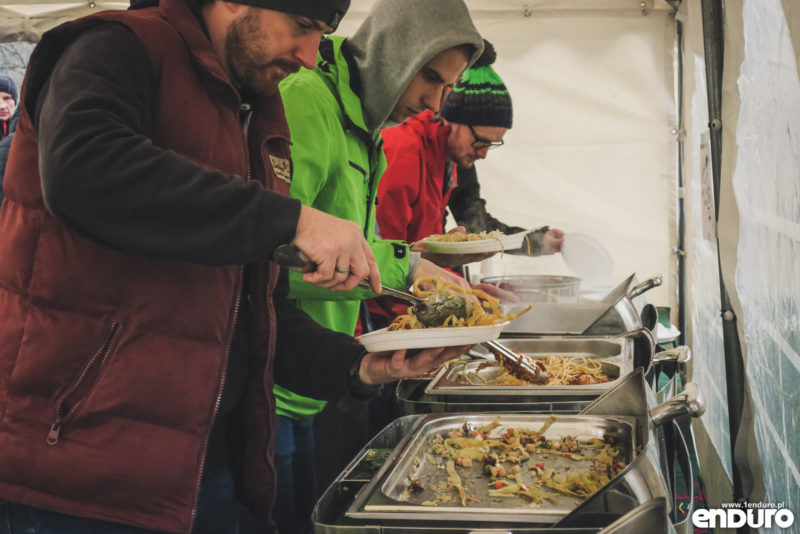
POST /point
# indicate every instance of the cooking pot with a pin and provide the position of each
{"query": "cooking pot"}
(530, 288)
(614, 314)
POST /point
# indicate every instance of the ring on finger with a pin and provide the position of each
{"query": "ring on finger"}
(342, 271)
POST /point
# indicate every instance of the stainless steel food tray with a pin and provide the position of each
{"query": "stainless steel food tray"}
(464, 379)
(385, 500)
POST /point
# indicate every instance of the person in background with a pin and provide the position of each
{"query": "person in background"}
(141, 321)
(395, 65)
(9, 116)
(8, 103)
(5, 146)
(465, 202)
(421, 157)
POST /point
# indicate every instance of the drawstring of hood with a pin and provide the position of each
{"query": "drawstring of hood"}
(396, 39)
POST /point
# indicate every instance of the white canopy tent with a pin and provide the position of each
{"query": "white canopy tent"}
(29, 19)
(611, 137)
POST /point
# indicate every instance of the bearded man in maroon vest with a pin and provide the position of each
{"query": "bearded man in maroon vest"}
(139, 311)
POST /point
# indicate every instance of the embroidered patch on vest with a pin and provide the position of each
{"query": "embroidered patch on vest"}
(282, 168)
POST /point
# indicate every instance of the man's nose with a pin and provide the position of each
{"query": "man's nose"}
(306, 51)
(433, 98)
(482, 152)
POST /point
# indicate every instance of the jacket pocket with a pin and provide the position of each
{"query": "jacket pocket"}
(71, 399)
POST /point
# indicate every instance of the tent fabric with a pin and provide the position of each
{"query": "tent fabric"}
(592, 149)
(27, 20)
(760, 232)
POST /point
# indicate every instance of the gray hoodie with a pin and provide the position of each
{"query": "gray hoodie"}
(396, 39)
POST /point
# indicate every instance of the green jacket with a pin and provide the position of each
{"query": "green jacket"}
(337, 166)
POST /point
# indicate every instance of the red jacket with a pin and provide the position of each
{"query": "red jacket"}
(112, 363)
(412, 194)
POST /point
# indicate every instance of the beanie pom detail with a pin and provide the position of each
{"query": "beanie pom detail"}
(487, 57)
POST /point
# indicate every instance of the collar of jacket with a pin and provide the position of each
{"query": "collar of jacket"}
(180, 15)
(339, 71)
(428, 129)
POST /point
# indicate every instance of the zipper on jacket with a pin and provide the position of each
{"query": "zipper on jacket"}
(220, 390)
(245, 122)
(77, 391)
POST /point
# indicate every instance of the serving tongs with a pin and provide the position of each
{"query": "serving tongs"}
(521, 365)
(431, 311)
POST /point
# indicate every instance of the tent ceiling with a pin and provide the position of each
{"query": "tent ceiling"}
(28, 19)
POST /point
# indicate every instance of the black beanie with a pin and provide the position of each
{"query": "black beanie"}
(7, 85)
(480, 97)
(328, 11)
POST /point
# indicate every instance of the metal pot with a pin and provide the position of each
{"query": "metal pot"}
(614, 314)
(532, 288)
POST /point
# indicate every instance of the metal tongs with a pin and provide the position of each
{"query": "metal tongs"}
(431, 311)
(528, 368)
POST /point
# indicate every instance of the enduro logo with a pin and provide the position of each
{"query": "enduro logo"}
(736, 515)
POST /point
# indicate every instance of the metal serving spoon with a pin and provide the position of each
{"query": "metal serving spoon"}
(431, 311)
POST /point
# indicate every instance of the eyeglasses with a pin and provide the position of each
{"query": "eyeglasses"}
(480, 143)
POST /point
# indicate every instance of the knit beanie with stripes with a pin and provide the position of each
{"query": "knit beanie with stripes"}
(480, 98)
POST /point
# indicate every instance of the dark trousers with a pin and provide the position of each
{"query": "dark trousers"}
(217, 513)
(294, 463)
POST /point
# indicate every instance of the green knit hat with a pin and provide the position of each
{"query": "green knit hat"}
(480, 97)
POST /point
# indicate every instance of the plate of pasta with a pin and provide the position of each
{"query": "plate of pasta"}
(457, 243)
(483, 321)
(384, 339)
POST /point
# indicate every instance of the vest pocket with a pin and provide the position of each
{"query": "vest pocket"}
(68, 402)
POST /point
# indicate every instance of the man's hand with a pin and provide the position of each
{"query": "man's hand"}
(553, 241)
(451, 261)
(383, 367)
(427, 268)
(338, 248)
(498, 292)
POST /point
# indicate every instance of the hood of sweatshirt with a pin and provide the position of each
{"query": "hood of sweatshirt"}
(396, 39)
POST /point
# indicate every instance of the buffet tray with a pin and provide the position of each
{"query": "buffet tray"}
(469, 378)
(387, 496)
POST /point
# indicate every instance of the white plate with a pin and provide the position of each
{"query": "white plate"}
(508, 242)
(587, 257)
(381, 340)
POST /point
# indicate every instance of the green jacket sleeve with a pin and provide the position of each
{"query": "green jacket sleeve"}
(331, 173)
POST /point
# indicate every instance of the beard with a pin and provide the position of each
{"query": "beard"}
(251, 65)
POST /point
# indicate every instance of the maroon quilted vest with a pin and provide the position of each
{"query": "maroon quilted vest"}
(111, 363)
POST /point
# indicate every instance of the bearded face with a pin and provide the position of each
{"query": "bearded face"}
(254, 55)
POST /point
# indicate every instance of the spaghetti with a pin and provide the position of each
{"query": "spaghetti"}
(457, 237)
(486, 313)
(561, 371)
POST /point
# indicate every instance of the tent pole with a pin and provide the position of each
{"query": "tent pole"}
(680, 250)
(713, 43)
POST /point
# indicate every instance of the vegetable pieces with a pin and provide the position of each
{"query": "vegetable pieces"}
(515, 463)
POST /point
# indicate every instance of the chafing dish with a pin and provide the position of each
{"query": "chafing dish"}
(444, 393)
(616, 357)
(623, 409)
(415, 461)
